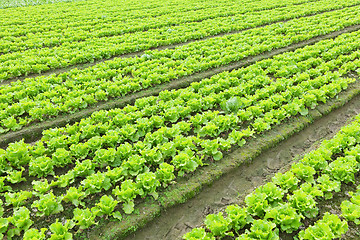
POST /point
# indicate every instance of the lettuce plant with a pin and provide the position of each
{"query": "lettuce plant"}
(147, 183)
(198, 234)
(84, 218)
(329, 227)
(303, 172)
(61, 157)
(18, 153)
(3, 187)
(60, 231)
(64, 180)
(41, 186)
(287, 181)
(96, 183)
(211, 148)
(84, 168)
(343, 169)
(4, 224)
(74, 195)
(316, 160)
(106, 206)
(165, 173)
(304, 203)
(20, 220)
(17, 199)
(134, 165)
(327, 185)
(218, 225)
(48, 204)
(257, 203)
(351, 211)
(15, 176)
(285, 216)
(261, 229)
(34, 234)
(41, 166)
(127, 194)
(311, 189)
(238, 217)
(273, 193)
(186, 162)
(105, 157)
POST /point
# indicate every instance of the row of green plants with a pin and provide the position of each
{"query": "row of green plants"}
(109, 8)
(121, 24)
(25, 3)
(38, 99)
(43, 59)
(282, 205)
(131, 153)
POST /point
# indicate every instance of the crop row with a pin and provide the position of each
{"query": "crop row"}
(37, 99)
(132, 152)
(135, 170)
(87, 15)
(44, 59)
(118, 26)
(23, 3)
(284, 203)
(64, 25)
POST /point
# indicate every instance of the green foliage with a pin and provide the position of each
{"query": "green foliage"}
(329, 227)
(303, 172)
(218, 225)
(147, 184)
(17, 199)
(20, 220)
(127, 194)
(61, 231)
(237, 216)
(343, 169)
(304, 203)
(96, 183)
(285, 216)
(41, 166)
(198, 234)
(34, 234)
(261, 229)
(48, 204)
(74, 195)
(287, 181)
(350, 211)
(84, 218)
(15, 176)
(327, 185)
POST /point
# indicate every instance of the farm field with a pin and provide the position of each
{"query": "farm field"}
(179, 119)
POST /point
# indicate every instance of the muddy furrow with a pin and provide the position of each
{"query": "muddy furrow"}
(235, 185)
(139, 53)
(33, 132)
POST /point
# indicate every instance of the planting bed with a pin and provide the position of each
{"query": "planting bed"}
(179, 119)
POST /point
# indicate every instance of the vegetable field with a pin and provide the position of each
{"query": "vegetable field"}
(114, 112)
